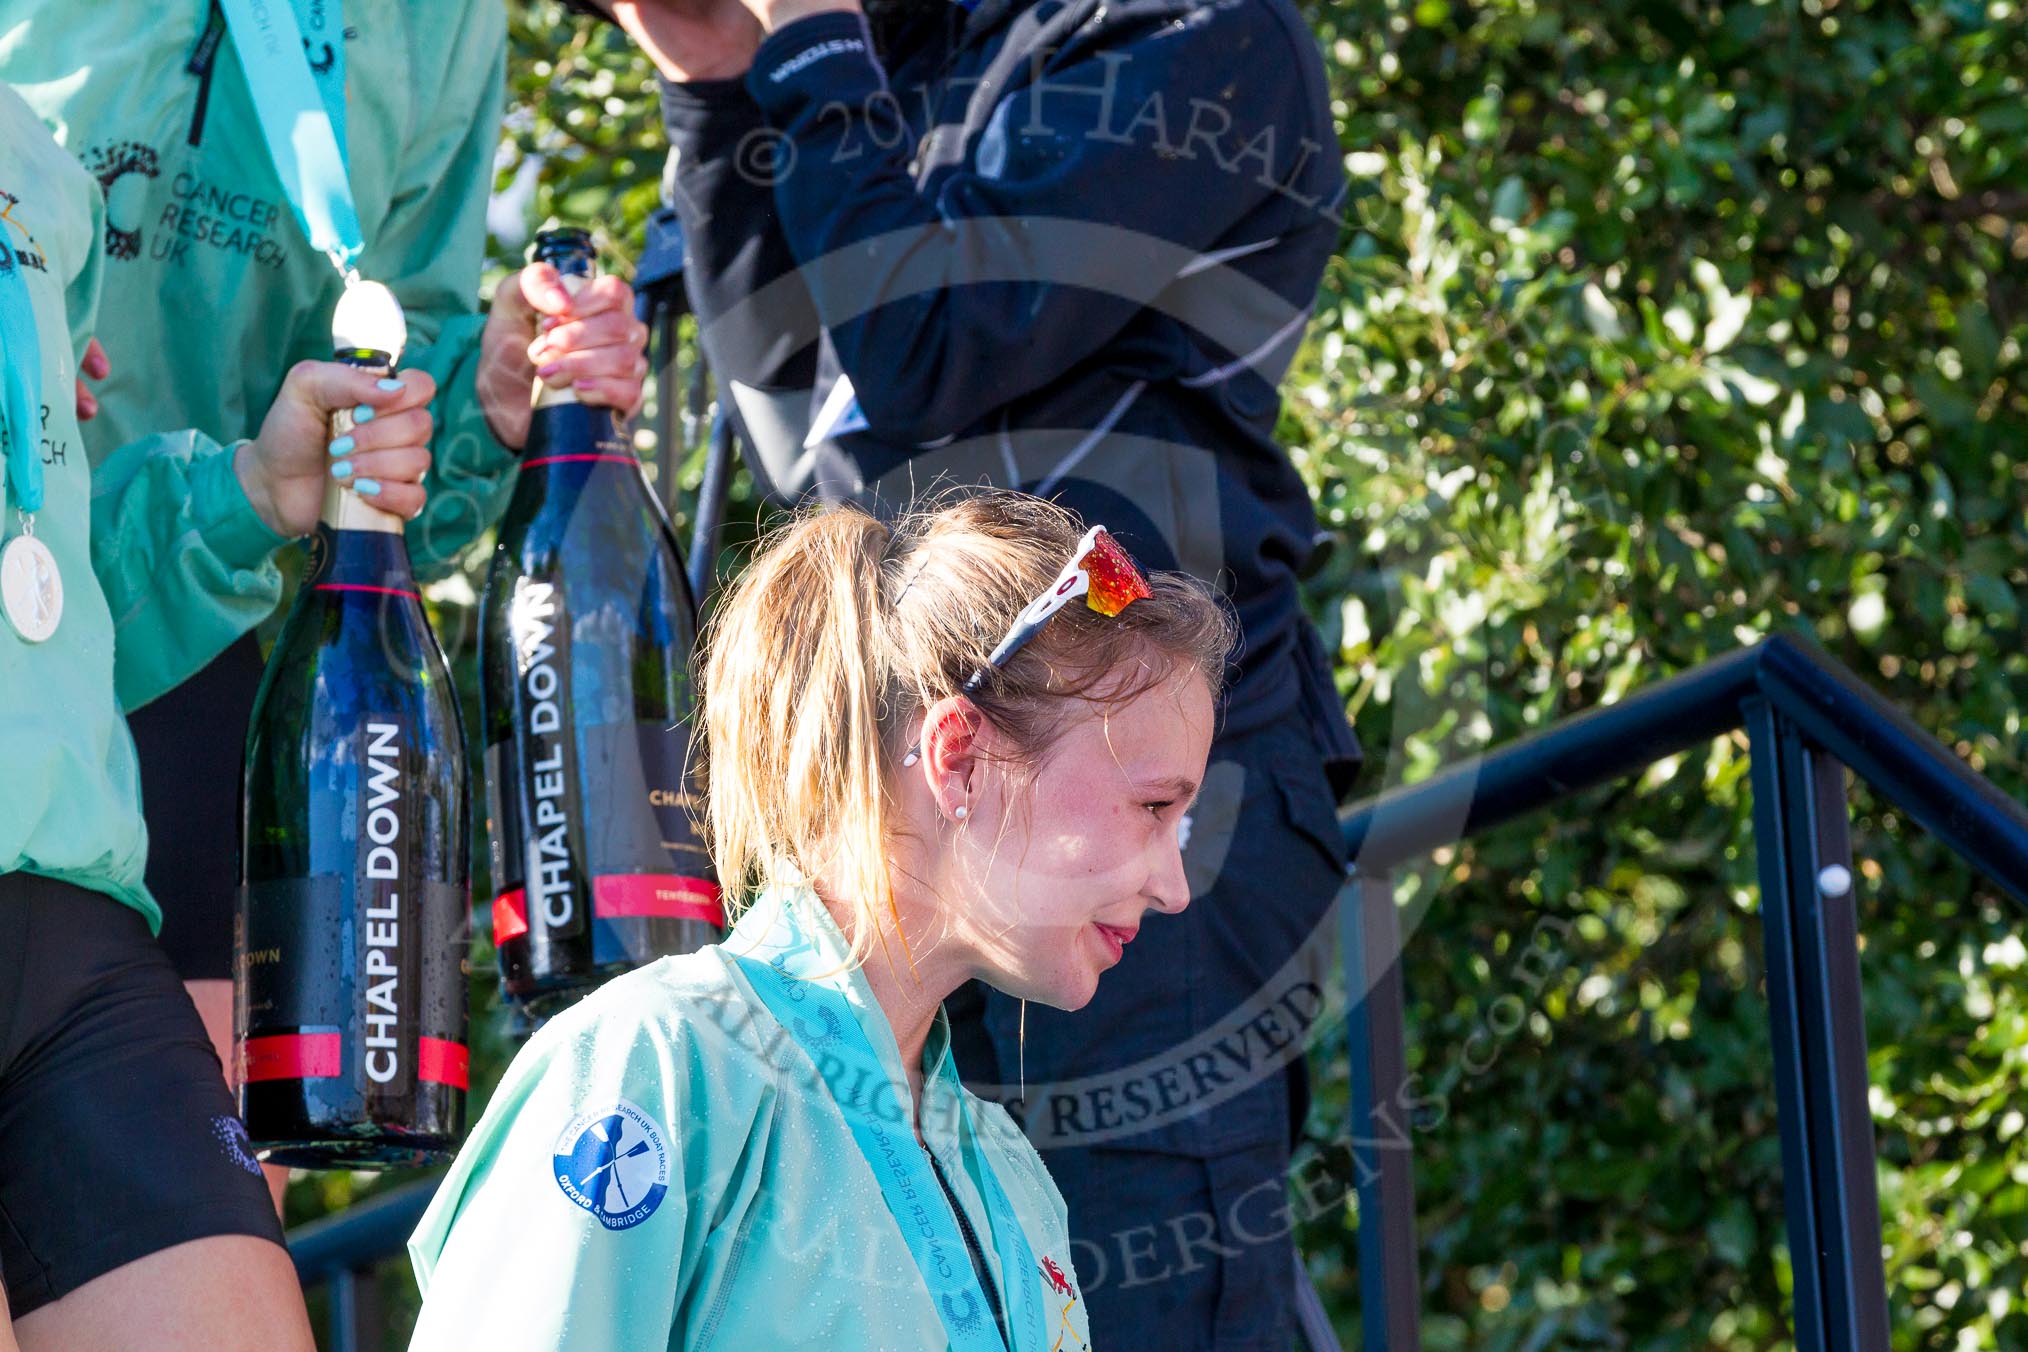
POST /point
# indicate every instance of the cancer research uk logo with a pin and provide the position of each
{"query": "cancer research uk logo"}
(614, 1163)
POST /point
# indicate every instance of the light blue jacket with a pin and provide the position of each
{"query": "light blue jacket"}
(663, 1164)
(157, 544)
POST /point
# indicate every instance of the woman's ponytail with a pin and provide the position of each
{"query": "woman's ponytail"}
(798, 659)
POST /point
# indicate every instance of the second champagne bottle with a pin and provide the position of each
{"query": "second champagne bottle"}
(588, 627)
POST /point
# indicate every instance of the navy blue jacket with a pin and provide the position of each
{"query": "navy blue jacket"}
(1065, 246)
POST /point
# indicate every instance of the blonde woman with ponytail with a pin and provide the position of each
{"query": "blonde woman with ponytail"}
(953, 747)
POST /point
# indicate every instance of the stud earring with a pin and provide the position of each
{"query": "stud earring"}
(959, 812)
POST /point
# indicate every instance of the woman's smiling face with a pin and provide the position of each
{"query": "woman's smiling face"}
(1049, 874)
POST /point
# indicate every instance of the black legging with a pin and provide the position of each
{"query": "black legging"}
(190, 743)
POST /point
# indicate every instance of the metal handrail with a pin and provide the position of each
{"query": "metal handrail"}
(1808, 720)
(1892, 752)
(1602, 744)
(1838, 711)
(341, 1250)
(373, 1229)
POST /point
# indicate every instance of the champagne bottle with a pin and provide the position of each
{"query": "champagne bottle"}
(352, 965)
(587, 628)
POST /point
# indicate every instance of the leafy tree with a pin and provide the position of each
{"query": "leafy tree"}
(1659, 328)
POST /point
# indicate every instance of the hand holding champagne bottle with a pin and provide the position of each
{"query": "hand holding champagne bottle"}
(350, 990)
(586, 699)
(384, 456)
(581, 336)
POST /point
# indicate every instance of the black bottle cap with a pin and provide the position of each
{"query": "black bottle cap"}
(568, 249)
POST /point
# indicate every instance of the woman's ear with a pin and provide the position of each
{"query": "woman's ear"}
(950, 752)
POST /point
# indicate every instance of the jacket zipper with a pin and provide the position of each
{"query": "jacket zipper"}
(203, 62)
(971, 1246)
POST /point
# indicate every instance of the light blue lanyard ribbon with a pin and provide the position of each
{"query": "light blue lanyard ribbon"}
(21, 372)
(798, 984)
(301, 106)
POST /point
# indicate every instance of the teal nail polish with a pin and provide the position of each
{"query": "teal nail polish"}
(390, 384)
(342, 446)
(363, 414)
(367, 488)
(341, 470)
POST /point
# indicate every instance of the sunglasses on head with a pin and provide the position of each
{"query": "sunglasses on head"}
(1099, 571)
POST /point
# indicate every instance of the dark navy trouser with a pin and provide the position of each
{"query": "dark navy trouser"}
(1165, 1109)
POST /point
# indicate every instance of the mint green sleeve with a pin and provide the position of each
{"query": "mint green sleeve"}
(432, 248)
(505, 1258)
(81, 296)
(186, 564)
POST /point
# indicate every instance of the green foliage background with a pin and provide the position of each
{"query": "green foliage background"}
(1659, 326)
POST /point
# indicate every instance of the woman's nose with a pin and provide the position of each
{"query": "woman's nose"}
(1169, 887)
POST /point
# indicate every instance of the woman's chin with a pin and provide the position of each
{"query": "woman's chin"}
(1067, 991)
(1079, 994)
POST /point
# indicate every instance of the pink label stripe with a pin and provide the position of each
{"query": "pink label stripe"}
(292, 1056)
(566, 459)
(621, 896)
(440, 1061)
(510, 915)
(667, 895)
(362, 587)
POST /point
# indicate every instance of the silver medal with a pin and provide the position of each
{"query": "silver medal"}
(31, 588)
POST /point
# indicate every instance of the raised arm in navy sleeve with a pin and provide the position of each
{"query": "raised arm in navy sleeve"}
(1094, 183)
(755, 314)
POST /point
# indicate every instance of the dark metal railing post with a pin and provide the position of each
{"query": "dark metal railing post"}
(660, 300)
(358, 1320)
(344, 1325)
(711, 495)
(1382, 1159)
(343, 1250)
(680, 399)
(671, 445)
(1802, 831)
